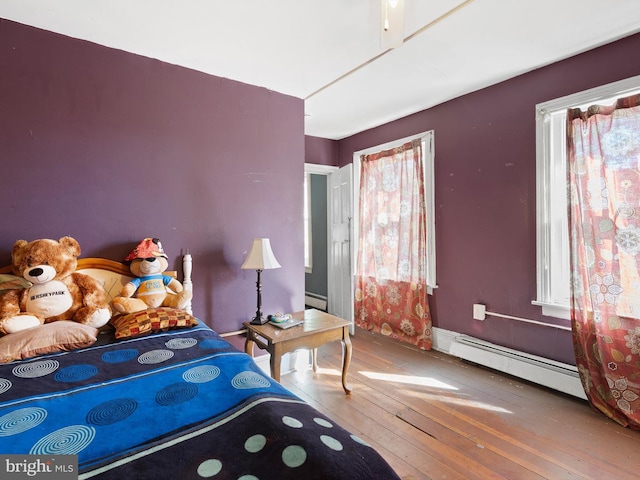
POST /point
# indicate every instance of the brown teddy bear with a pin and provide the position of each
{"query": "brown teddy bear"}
(58, 292)
(151, 288)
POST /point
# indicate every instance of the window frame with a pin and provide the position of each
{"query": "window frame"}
(428, 148)
(553, 278)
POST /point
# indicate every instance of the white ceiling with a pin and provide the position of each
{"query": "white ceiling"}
(328, 52)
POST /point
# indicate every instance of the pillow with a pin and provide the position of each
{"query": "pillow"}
(60, 336)
(11, 282)
(151, 320)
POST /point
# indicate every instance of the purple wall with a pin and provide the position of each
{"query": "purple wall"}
(111, 147)
(320, 151)
(486, 195)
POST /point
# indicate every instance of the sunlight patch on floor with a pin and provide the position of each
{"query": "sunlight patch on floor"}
(408, 379)
(460, 401)
(433, 383)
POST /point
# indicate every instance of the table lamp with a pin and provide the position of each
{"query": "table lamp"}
(260, 258)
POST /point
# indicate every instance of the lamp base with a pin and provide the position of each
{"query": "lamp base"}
(259, 320)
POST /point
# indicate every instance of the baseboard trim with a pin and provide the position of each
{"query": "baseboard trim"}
(289, 362)
(442, 339)
(316, 301)
(263, 362)
(542, 371)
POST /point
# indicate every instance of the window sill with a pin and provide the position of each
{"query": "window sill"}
(554, 310)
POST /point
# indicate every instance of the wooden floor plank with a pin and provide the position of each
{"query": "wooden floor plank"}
(402, 464)
(473, 457)
(434, 416)
(480, 431)
(360, 410)
(565, 418)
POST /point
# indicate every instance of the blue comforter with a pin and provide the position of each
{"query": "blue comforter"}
(176, 405)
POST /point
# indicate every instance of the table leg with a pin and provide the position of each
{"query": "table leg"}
(346, 359)
(314, 359)
(276, 356)
(248, 345)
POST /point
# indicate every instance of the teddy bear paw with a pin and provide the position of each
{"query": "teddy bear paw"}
(21, 322)
(99, 318)
(128, 305)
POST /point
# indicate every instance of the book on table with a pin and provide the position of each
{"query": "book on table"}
(291, 322)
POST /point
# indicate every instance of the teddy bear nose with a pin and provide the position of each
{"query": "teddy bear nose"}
(36, 272)
(150, 259)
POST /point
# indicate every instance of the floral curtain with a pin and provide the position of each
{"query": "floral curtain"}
(604, 215)
(391, 291)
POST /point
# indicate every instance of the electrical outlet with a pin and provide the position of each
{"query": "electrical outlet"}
(479, 311)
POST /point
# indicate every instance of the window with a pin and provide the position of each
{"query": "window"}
(428, 149)
(553, 270)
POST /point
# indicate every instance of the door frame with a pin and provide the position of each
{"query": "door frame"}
(325, 170)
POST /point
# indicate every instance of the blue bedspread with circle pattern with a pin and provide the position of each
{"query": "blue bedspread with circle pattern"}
(183, 404)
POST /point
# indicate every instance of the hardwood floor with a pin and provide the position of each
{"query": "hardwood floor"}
(432, 416)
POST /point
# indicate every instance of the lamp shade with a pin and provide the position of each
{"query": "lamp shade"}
(261, 256)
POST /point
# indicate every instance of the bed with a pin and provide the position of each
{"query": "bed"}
(173, 402)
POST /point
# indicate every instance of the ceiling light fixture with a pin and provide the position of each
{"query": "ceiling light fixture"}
(392, 23)
(410, 37)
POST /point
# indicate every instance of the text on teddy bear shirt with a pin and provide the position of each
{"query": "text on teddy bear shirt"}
(49, 299)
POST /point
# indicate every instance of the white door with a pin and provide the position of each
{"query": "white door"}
(340, 301)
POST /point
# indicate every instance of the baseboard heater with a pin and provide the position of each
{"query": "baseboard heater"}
(316, 301)
(543, 371)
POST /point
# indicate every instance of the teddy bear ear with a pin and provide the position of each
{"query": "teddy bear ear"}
(71, 244)
(18, 245)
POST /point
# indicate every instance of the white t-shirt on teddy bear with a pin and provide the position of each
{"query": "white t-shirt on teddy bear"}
(49, 299)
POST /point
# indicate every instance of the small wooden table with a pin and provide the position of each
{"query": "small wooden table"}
(318, 328)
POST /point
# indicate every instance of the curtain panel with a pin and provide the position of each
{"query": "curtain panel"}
(391, 291)
(603, 146)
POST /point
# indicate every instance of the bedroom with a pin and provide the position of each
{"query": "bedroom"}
(110, 147)
(92, 132)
